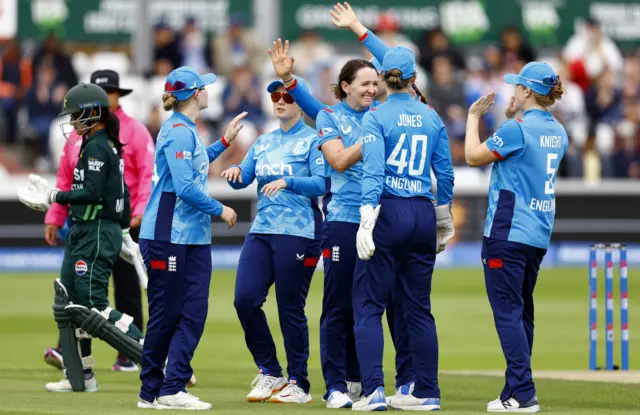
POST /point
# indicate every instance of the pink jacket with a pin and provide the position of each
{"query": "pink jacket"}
(138, 154)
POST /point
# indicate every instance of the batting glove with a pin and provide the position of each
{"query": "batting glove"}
(444, 226)
(130, 252)
(364, 237)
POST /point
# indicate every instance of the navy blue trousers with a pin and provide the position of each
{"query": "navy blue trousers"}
(405, 239)
(510, 275)
(288, 262)
(337, 341)
(401, 343)
(178, 295)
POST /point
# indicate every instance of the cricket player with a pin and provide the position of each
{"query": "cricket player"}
(175, 241)
(137, 154)
(100, 211)
(402, 138)
(338, 129)
(289, 169)
(525, 154)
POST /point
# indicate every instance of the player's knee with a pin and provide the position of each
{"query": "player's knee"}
(246, 301)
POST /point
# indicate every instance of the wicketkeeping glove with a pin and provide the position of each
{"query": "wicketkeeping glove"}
(130, 252)
(444, 227)
(37, 195)
(364, 237)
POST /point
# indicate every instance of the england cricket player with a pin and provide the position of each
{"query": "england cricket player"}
(525, 154)
(400, 233)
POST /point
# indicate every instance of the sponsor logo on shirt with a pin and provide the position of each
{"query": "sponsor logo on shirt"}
(495, 139)
(345, 131)
(276, 169)
(324, 131)
(183, 155)
(95, 165)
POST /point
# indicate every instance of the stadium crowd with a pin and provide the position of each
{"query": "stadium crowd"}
(601, 107)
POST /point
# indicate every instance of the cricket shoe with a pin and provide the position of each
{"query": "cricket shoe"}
(142, 404)
(354, 390)
(192, 381)
(182, 401)
(512, 405)
(90, 385)
(264, 386)
(337, 399)
(124, 364)
(292, 393)
(411, 403)
(374, 402)
(54, 358)
(401, 391)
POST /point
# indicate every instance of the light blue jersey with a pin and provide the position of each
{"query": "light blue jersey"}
(342, 122)
(522, 202)
(293, 156)
(179, 209)
(402, 139)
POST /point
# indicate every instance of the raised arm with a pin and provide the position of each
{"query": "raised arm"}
(182, 173)
(344, 17)
(283, 66)
(217, 148)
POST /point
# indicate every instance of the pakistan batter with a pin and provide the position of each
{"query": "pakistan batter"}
(100, 212)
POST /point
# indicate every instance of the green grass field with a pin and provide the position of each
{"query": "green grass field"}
(224, 368)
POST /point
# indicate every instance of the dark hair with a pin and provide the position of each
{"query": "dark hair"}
(421, 97)
(112, 128)
(394, 80)
(348, 74)
(548, 100)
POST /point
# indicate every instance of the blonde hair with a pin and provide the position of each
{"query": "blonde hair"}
(548, 100)
(169, 102)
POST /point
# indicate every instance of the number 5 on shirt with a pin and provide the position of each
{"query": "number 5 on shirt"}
(551, 171)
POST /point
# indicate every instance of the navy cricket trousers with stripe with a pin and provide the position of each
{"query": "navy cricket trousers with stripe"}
(337, 341)
(288, 262)
(405, 240)
(510, 274)
(178, 294)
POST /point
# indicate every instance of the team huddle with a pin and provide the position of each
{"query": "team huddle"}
(355, 191)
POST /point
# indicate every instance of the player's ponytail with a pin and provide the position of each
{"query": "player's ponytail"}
(394, 80)
(169, 102)
(112, 128)
(554, 94)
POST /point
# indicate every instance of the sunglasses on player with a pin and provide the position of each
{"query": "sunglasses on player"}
(288, 99)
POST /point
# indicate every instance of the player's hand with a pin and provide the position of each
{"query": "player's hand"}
(364, 237)
(512, 108)
(343, 16)
(136, 221)
(270, 189)
(282, 63)
(233, 174)
(482, 105)
(229, 216)
(234, 127)
(444, 227)
(51, 234)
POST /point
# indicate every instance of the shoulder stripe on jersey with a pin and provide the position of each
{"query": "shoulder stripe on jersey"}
(179, 125)
(328, 110)
(293, 85)
(373, 108)
(430, 107)
(519, 119)
(495, 152)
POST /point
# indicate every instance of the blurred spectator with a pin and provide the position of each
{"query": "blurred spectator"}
(514, 47)
(51, 52)
(166, 50)
(237, 47)
(434, 43)
(604, 106)
(44, 102)
(320, 78)
(589, 53)
(627, 157)
(195, 47)
(446, 95)
(571, 112)
(310, 50)
(243, 93)
(154, 122)
(15, 79)
(388, 29)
